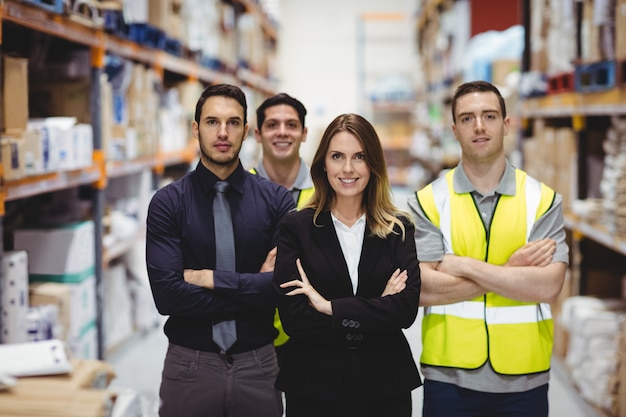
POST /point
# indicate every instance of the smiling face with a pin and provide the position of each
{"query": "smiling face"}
(346, 169)
(281, 134)
(220, 132)
(480, 127)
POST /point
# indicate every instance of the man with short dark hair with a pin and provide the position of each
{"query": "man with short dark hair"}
(491, 244)
(221, 359)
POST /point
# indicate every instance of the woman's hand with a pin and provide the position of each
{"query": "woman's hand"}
(396, 283)
(316, 301)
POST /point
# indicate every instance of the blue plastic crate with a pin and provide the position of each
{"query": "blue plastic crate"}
(55, 6)
(147, 35)
(596, 76)
(173, 46)
(114, 23)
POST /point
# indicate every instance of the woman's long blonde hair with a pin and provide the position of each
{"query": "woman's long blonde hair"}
(381, 214)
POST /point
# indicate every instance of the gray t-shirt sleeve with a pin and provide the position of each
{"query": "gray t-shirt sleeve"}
(428, 238)
(552, 225)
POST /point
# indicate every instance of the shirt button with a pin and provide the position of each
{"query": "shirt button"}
(484, 214)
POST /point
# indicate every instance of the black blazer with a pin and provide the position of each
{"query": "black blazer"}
(362, 341)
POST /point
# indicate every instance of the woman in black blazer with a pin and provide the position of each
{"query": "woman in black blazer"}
(347, 269)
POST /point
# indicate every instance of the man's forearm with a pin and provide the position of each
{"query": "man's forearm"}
(200, 277)
(439, 288)
(522, 283)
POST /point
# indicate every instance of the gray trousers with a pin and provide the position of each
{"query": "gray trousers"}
(204, 384)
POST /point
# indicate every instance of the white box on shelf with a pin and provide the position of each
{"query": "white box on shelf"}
(14, 297)
(83, 145)
(118, 313)
(34, 358)
(86, 345)
(58, 251)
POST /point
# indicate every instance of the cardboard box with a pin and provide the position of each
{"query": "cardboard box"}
(76, 304)
(15, 93)
(502, 68)
(62, 251)
(61, 99)
(14, 297)
(79, 393)
(620, 34)
(159, 12)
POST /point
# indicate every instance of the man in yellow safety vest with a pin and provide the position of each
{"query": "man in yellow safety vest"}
(492, 251)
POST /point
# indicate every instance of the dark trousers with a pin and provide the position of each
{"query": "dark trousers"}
(206, 384)
(445, 400)
(352, 401)
(349, 406)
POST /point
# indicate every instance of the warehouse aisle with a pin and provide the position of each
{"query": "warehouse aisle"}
(139, 362)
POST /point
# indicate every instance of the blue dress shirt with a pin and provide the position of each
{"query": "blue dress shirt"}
(180, 235)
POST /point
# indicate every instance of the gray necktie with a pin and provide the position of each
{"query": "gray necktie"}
(224, 331)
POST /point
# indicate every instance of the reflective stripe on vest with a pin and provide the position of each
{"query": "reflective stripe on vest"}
(516, 337)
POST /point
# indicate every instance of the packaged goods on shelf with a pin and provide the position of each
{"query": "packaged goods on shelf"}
(62, 272)
(620, 30)
(77, 312)
(34, 358)
(68, 98)
(65, 145)
(118, 320)
(174, 126)
(595, 329)
(79, 391)
(560, 25)
(613, 183)
(58, 251)
(13, 163)
(43, 323)
(14, 297)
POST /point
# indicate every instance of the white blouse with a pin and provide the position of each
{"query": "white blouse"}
(351, 241)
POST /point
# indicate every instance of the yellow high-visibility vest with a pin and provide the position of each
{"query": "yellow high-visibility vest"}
(516, 337)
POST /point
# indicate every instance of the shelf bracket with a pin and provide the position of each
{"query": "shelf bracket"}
(98, 158)
(3, 192)
(578, 122)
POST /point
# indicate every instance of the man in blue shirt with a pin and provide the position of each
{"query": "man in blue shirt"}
(200, 378)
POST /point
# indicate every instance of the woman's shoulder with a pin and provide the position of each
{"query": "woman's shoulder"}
(298, 215)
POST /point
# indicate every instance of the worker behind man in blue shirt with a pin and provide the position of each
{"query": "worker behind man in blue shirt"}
(200, 378)
(280, 131)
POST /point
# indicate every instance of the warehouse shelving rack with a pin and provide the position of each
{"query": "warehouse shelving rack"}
(43, 20)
